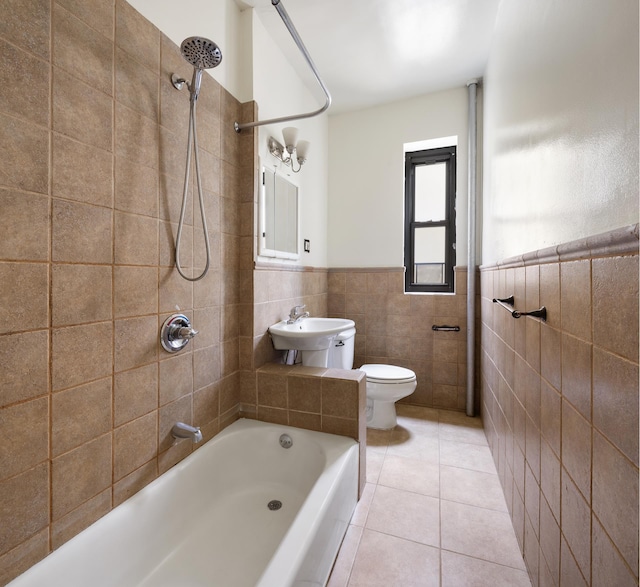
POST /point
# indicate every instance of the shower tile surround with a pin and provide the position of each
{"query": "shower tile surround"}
(560, 406)
(90, 196)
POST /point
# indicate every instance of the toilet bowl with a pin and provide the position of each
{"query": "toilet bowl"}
(386, 384)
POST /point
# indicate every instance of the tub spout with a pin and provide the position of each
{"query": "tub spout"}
(182, 430)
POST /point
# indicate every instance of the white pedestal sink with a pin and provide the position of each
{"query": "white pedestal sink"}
(313, 336)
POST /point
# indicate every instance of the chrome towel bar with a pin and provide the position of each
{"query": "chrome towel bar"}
(445, 328)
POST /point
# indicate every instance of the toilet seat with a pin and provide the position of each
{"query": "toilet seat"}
(388, 374)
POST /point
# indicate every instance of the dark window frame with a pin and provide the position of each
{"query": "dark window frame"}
(415, 159)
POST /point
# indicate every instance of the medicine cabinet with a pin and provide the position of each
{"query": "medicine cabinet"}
(278, 216)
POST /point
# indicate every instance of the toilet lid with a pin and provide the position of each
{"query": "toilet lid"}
(387, 374)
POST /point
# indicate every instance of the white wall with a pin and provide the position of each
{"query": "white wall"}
(560, 124)
(279, 92)
(366, 176)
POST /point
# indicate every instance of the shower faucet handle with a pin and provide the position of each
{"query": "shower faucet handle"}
(176, 332)
(183, 332)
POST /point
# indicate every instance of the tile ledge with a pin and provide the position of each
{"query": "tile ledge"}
(260, 265)
(620, 241)
(366, 269)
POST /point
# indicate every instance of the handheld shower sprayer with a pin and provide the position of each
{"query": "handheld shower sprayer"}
(202, 54)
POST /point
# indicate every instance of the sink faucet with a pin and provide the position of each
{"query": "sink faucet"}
(182, 430)
(296, 314)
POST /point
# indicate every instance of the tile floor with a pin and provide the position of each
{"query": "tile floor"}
(432, 512)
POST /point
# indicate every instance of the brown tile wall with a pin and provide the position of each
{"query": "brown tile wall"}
(276, 289)
(93, 136)
(395, 328)
(560, 408)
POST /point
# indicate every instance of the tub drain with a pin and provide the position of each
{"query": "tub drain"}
(274, 504)
(286, 441)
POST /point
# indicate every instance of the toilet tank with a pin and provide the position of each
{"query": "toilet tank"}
(342, 348)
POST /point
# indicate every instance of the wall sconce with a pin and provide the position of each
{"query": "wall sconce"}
(286, 153)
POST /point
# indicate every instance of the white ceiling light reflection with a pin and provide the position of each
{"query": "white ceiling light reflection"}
(419, 30)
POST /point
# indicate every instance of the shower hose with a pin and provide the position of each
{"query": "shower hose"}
(192, 146)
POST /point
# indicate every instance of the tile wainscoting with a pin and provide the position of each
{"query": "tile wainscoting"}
(560, 406)
(395, 328)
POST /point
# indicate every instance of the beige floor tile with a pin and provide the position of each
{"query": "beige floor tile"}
(406, 515)
(472, 487)
(361, 512)
(378, 440)
(346, 557)
(388, 561)
(459, 418)
(463, 571)
(431, 481)
(480, 533)
(417, 412)
(422, 421)
(405, 443)
(426, 428)
(411, 475)
(466, 456)
(461, 433)
(374, 465)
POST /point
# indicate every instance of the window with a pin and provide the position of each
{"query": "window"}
(430, 220)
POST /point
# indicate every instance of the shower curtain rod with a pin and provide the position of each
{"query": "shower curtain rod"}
(298, 41)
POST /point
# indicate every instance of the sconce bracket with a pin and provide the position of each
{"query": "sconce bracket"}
(278, 151)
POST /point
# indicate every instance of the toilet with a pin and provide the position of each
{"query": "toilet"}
(386, 384)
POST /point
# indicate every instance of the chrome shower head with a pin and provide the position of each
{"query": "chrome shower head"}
(201, 53)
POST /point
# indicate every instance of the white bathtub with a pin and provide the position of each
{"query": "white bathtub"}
(205, 522)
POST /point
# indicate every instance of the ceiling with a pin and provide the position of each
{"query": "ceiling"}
(371, 52)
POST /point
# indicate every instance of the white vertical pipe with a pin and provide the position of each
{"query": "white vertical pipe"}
(472, 86)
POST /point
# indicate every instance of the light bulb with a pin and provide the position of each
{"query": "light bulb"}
(302, 150)
(290, 135)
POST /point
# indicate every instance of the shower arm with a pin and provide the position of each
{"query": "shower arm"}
(298, 41)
